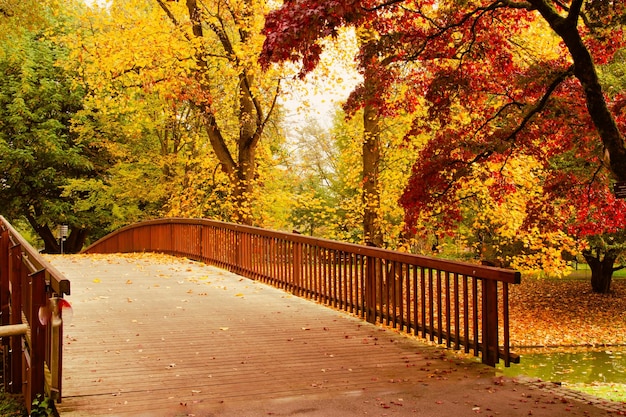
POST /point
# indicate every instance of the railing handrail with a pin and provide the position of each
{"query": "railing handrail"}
(460, 303)
(459, 267)
(56, 280)
(30, 289)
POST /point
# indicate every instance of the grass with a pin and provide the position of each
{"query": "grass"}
(613, 392)
(12, 405)
(562, 315)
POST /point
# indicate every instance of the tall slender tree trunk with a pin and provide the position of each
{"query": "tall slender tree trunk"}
(372, 225)
(372, 232)
(243, 185)
(246, 159)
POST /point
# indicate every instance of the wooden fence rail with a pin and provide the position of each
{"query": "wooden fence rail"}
(462, 305)
(31, 327)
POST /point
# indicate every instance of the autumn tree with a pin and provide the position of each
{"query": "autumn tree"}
(491, 96)
(134, 112)
(227, 35)
(328, 195)
(368, 103)
(185, 74)
(17, 16)
(312, 160)
(371, 150)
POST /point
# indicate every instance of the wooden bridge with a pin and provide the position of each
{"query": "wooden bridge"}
(156, 336)
(161, 340)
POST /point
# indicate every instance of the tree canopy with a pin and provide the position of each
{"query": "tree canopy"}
(504, 80)
(39, 152)
(197, 63)
(501, 121)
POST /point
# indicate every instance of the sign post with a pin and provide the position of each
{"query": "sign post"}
(63, 229)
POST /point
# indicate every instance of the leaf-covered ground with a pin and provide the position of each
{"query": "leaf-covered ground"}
(565, 312)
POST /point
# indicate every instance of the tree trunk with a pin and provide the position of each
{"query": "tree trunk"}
(73, 244)
(243, 185)
(601, 269)
(372, 232)
(585, 71)
(75, 241)
(372, 226)
(50, 242)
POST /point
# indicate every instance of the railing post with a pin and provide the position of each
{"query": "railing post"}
(36, 354)
(4, 280)
(5, 297)
(237, 252)
(15, 317)
(54, 339)
(490, 322)
(370, 289)
(298, 267)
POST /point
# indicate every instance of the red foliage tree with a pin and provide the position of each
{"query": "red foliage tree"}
(474, 58)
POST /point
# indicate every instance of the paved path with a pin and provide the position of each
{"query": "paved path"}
(157, 336)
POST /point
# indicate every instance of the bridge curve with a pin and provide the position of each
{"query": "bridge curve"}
(461, 305)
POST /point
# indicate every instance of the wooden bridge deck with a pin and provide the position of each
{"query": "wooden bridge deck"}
(158, 336)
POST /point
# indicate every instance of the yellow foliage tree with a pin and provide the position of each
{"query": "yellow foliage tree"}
(183, 77)
(494, 227)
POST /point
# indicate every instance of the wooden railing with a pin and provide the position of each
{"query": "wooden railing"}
(30, 319)
(462, 305)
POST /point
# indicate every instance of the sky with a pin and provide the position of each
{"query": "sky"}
(324, 90)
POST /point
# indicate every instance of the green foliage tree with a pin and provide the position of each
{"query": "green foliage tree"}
(39, 153)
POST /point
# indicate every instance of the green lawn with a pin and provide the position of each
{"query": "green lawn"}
(583, 272)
